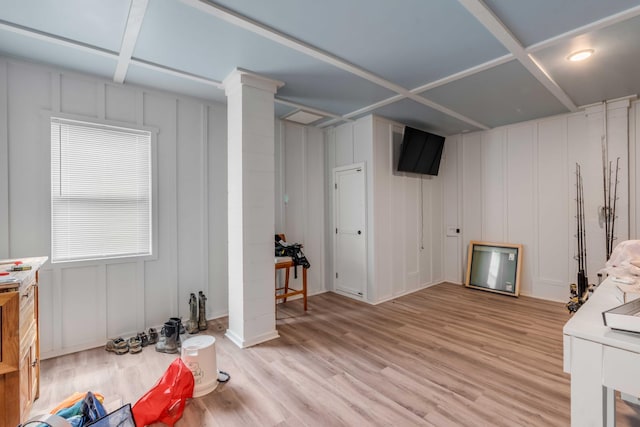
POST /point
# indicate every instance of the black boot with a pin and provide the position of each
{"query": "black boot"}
(179, 329)
(202, 311)
(167, 343)
(178, 321)
(192, 324)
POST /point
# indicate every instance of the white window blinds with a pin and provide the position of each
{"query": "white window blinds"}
(100, 191)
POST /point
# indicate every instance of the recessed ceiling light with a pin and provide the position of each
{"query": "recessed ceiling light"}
(580, 55)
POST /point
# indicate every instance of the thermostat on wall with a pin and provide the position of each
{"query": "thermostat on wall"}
(453, 231)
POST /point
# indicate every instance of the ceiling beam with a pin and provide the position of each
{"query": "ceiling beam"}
(476, 7)
(453, 77)
(424, 101)
(274, 35)
(464, 73)
(60, 41)
(177, 73)
(219, 85)
(137, 11)
(486, 17)
(592, 26)
(374, 106)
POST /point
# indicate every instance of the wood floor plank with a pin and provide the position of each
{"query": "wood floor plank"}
(443, 356)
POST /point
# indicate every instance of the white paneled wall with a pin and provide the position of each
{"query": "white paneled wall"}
(634, 176)
(216, 231)
(553, 214)
(404, 211)
(492, 152)
(82, 304)
(452, 214)
(300, 212)
(4, 162)
(471, 176)
(518, 185)
(520, 194)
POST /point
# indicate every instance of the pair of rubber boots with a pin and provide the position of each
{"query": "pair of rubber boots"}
(197, 310)
(170, 336)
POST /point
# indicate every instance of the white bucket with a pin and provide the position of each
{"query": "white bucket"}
(199, 354)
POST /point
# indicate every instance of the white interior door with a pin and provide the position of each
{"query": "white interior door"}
(350, 245)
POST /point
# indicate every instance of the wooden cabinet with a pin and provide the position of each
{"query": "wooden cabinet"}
(19, 342)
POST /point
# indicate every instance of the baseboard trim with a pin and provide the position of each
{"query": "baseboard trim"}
(391, 298)
(244, 343)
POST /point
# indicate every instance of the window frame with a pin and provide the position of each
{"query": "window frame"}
(153, 131)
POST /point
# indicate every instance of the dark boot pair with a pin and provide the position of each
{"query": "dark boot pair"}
(197, 313)
(170, 336)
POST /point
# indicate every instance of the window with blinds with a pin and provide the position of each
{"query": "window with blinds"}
(100, 191)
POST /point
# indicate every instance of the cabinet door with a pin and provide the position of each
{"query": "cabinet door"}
(34, 370)
(25, 385)
(9, 332)
(28, 315)
(36, 345)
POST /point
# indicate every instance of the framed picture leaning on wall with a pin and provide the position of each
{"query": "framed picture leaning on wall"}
(494, 267)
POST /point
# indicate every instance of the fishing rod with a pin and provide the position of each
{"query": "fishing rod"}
(583, 237)
(608, 232)
(579, 289)
(581, 231)
(613, 215)
(578, 256)
(605, 207)
(584, 231)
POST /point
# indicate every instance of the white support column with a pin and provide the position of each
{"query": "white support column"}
(251, 211)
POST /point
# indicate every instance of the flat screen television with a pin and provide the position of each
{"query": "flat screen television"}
(420, 152)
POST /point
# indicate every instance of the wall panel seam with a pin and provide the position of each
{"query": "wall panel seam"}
(5, 219)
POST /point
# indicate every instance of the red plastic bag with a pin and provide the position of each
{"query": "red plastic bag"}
(165, 401)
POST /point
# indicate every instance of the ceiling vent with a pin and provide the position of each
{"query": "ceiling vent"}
(303, 117)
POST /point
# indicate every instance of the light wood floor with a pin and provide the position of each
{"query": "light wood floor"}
(443, 356)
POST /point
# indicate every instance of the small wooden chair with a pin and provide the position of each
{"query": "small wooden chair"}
(286, 263)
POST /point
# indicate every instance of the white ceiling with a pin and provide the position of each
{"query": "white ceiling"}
(441, 65)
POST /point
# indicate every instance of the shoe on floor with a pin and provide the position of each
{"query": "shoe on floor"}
(135, 345)
(168, 343)
(144, 338)
(153, 336)
(117, 346)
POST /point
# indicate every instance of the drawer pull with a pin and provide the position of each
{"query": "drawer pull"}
(27, 294)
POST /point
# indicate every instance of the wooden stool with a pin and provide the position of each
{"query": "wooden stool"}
(286, 263)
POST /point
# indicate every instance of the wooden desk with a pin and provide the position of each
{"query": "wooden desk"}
(600, 361)
(286, 263)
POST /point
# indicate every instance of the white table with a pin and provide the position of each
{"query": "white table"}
(600, 361)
